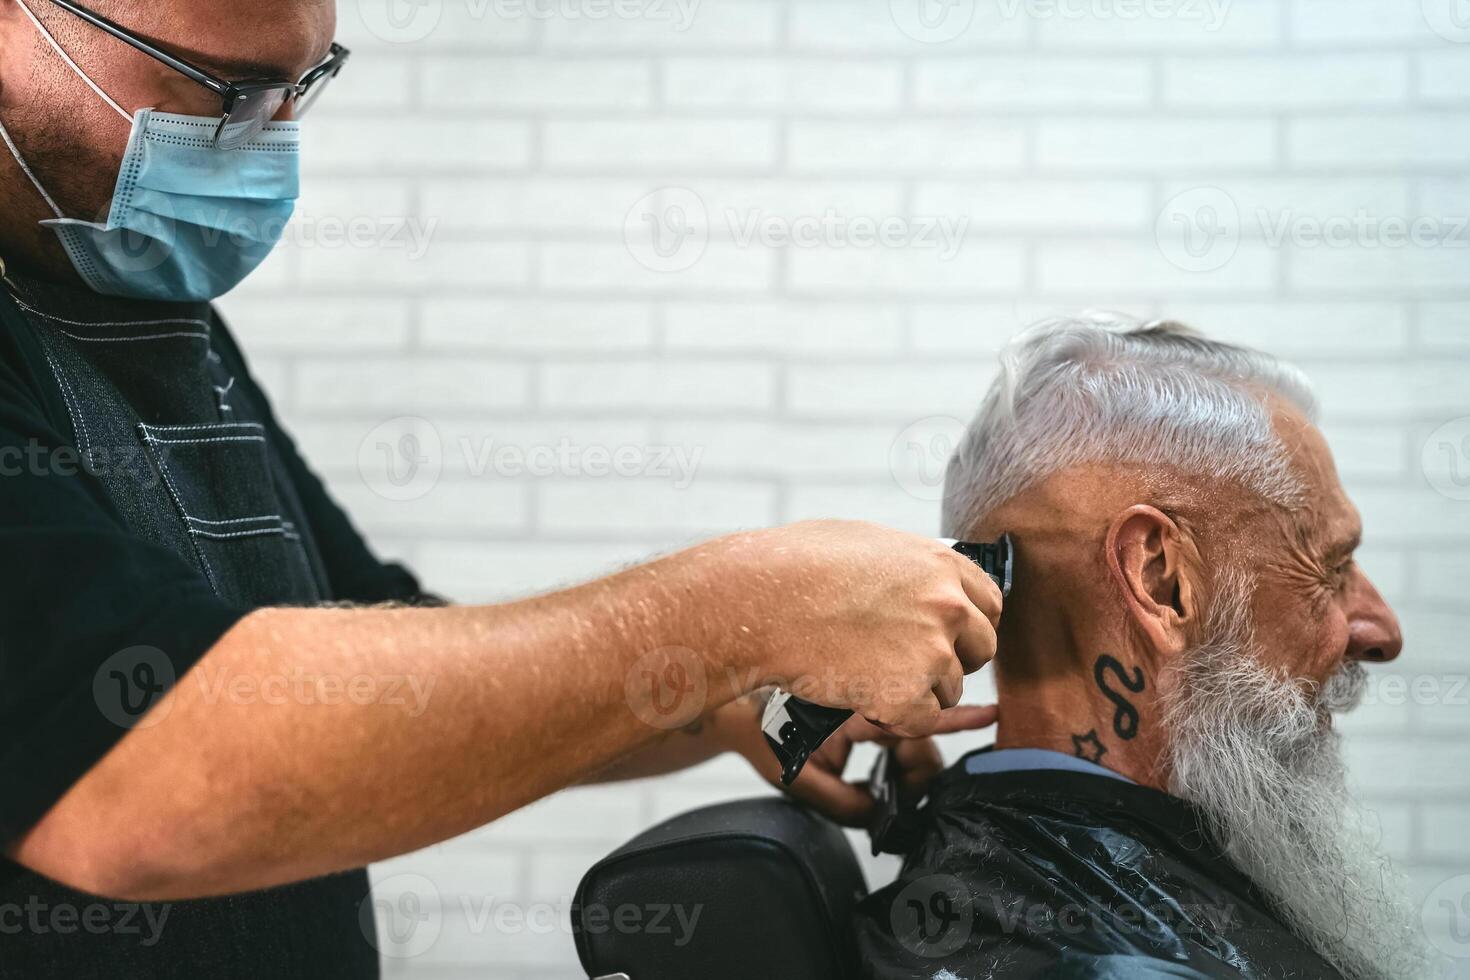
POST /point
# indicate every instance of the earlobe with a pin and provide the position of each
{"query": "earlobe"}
(1144, 555)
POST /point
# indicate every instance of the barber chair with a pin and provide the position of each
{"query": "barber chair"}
(773, 884)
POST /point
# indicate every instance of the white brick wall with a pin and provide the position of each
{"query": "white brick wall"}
(497, 150)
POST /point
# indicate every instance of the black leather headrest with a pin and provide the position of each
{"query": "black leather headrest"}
(756, 888)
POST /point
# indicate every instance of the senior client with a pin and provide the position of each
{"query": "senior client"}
(1166, 793)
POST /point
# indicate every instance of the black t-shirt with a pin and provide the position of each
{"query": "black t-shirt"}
(94, 393)
(1051, 873)
(76, 586)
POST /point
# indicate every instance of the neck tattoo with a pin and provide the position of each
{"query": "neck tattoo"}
(1088, 747)
(1125, 715)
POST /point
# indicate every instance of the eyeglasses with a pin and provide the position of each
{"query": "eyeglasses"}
(246, 106)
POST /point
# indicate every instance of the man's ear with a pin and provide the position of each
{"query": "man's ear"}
(1146, 555)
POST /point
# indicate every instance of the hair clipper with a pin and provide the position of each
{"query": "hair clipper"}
(794, 728)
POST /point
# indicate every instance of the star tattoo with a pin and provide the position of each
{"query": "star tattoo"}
(1088, 747)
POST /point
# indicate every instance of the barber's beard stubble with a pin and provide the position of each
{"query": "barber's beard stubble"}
(1253, 751)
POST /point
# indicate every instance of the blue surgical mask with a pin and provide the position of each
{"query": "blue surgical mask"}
(188, 221)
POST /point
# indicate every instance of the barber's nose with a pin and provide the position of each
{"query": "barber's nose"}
(1373, 629)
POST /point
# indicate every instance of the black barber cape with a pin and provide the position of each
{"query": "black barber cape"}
(1051, 873)
(148, 500)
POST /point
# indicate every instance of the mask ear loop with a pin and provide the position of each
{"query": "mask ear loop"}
(72, 64)
(5, 134)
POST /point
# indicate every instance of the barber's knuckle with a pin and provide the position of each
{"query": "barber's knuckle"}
(952, 606)
(941, 659)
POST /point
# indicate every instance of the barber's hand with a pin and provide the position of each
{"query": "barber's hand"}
(821, 784)
(854, 615)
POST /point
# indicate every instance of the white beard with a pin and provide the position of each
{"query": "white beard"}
(1252, 750)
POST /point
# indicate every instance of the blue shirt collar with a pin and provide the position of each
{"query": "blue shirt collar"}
(1013, 760)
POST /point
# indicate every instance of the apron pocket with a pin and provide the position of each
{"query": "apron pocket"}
(218, 476)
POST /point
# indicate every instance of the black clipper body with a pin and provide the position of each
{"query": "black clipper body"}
(794, 728)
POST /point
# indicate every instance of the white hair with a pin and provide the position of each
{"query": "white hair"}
(1103, 388)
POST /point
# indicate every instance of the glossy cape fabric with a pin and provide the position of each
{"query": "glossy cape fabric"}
(1046, 873)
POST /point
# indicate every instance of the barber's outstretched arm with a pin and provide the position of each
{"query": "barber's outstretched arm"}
(226, 794)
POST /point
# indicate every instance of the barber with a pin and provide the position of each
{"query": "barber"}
(208, 686)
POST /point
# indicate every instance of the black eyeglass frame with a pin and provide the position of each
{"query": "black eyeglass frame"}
(231, 94)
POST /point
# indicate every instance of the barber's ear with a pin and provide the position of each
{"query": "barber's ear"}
(1146, 553)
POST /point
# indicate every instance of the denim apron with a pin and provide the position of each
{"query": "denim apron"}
(187, 461)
